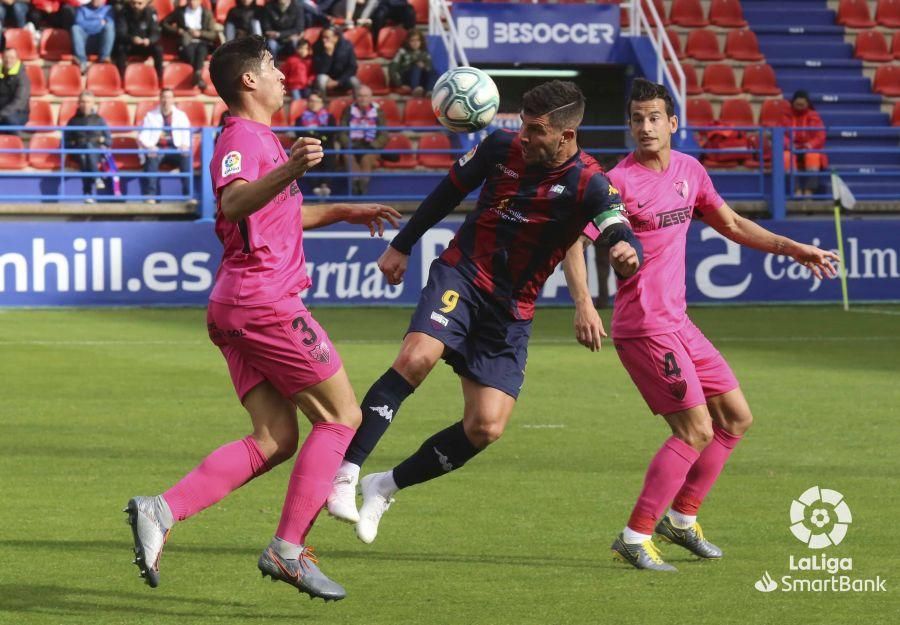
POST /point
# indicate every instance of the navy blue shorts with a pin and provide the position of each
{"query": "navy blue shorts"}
(484, 343)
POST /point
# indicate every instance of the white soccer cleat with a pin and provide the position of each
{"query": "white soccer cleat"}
(373, 507)
(341, 502)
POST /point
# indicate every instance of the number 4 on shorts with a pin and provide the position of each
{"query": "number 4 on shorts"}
(671, 366)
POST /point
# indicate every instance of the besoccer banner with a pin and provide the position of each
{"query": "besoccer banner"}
(537, 33)
(172, 264)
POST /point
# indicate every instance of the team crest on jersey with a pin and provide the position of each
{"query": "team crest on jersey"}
(678, 389)
(613, 191)
(681, 187)
(321, 353)
(231, 164)
(468, 156)
(294, 189)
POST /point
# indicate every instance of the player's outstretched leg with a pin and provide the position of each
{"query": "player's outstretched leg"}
(674, 528)
(150, 520)
(298, 566)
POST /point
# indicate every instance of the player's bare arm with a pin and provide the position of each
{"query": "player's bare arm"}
(240, 199)
(588, 325)
(374, 216)
(746, 232)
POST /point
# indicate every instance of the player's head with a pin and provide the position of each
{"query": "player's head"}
(800, 101)
(551, 114)
(243, 71)
(651, 116)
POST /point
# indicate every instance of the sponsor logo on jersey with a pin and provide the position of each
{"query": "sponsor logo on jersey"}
(438, 320)
(231, 164)
(467, 156)
(673, 217)
(509, 214)
(507, 171)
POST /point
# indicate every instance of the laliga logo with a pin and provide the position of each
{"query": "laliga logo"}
(766, 583)
(820, 517)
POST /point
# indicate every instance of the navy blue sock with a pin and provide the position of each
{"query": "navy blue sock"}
(379, 407)
(446, 451)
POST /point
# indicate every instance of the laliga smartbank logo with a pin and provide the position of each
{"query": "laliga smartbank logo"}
(820, 518)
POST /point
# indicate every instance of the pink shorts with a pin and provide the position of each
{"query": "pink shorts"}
(279, 342)
(676, 371)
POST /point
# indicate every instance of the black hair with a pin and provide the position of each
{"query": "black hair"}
(642, 90)
(802, 93)
(231, 61)
(562, 99)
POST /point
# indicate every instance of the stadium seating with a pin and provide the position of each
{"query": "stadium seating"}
(210, 87)
(688, 13)
(391, 112)
(22, 41)
(855, 14)
(56, 45)
(372, 75)
(179, 77)
(759, 79)
(718, 79)
(129, 161)
(11, 160)
(361, 38)
(67, 110)
(296, 110)
(895, 45)
(219, 108)
(141, 110)
(280, 119)
(391, 39)
(418, 113)
(435, 141)
(44, 160)
(115, 113)
(38, 82)
(742, 45)
(727, 14)
(421, 7)
(675, 40)
(773, 112)
(405, 161)
(104, 80)
(660, 7)
(336, 107)
(65, 80)
(163, 8)
(141, 80)
(703, 45)
(887, 81)
(887, 13)
(196, 112)
(312, 33)
(40, 114)
(222, 9)
(872, 46)
(690, 75)
(700, 112)
(736, 112)
(895, 116)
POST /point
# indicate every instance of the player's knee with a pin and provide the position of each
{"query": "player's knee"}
(414, 365)
(278, 446)
(483, 433)
(351, 417)
(738, 424)
(698, 436)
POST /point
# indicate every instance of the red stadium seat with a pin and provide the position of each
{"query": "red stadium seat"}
(624, 19)
(895, 117)
(435, 141)
(40, 114)
(391, 112)
(742, 45)
(727, 14)
(759, 79)
(219, 108)
(418, 113)
(56, 45)
(196, 112)
(280, 119)
(44, 160)
(361, 38)
(104, 80)
(336, 107)
(312, 33)
(675, 40)
(895, 45)
(65, 80)
(130, 161)
(38, 82)
(163, 8)
(887, 13)
(180, 78)
(115, 113)
(700, 112)
(404, 161)
(703, 45)
(22, 41)
(141, 80)
(170, 48)
(12, 160)
(690, 75)
(774, 112)
(736, 112)
(372, 75)
(718, 79)
(222, 9)
(210, 87)
(421, 7)
(887, 81)
(872, 46)
(855, 14)
(688, 13)
(660, 10)
(141, 110)
(296, 110)
(390, 39)
(67, 110)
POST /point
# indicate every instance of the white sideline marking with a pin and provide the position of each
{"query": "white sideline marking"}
(875, 311)
(543, 426)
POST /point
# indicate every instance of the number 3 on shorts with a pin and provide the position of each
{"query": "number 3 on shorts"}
(450, 299)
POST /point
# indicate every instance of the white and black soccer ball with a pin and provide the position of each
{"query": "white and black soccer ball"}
(465, 99)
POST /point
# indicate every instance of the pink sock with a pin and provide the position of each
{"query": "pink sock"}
(317, 463)
(705, 472)
(665, 475)
(224, 470)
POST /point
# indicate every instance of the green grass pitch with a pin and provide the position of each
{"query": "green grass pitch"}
(100, 405)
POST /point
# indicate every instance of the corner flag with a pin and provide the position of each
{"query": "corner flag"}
(843, 198)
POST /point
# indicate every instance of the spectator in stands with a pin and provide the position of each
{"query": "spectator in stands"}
(400, 12)
(362, 117)
(165, 128)
(94, 31)
(197, 33)
(298, 72)
(316, 116)
(243, 19)
(15, 90)
(334, 62)
(54, 13)
(411, 66)
(283, 22)
(137, 34)
(99, 139)
(13, 13)
(810, 136)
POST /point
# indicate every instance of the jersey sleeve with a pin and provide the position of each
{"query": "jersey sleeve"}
(237, 160)
(605, 207)
(708, 199)
(474, 166)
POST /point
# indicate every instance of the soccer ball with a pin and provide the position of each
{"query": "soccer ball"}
(465, 99)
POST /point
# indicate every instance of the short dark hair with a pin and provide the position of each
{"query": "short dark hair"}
(231, 61)
(642, 90)
(561, 98)
(169, 89)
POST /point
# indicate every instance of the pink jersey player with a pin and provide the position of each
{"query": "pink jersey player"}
(677, 370)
